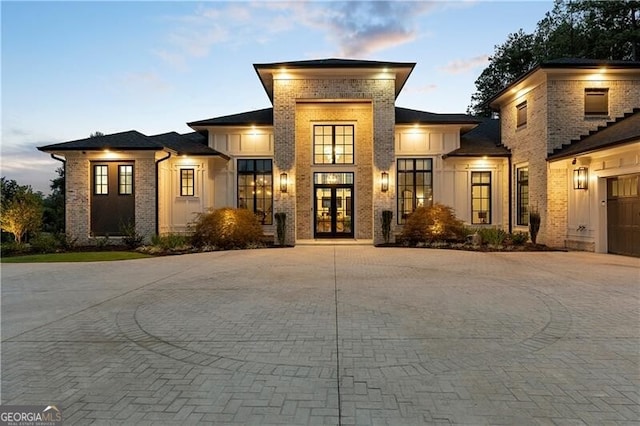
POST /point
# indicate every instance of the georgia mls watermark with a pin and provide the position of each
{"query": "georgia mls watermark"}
(30, 415)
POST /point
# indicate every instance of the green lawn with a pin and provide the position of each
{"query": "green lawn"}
(89, 256)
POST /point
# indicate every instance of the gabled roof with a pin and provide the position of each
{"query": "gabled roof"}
(402, 70)
(123, 141)
(132, 140)
(188, 144)
(625, 129)
(483, 140)
(261, 117)
(411, 116)
(568, 63)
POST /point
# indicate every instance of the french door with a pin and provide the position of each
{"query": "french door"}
(333, 200)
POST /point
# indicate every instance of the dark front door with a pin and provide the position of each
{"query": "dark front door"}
(112, 197)
(333, 201)
(623, 215)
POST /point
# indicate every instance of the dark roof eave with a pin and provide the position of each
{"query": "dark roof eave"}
(475, 155)
(52, 148)
(565, 155)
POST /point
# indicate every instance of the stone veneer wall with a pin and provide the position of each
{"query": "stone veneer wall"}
(78, 194)
(288, 92)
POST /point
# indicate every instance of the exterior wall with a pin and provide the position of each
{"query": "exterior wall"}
(78, 192)
(286, 94)
(585, 226)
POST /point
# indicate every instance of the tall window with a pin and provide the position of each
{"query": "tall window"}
(596, 101)
(415, 185)
(255, 188)
(333, 144)
(101, 180)
(187, 183)
(522, 196)
(125, 179)
(480, 197)
(521, 110)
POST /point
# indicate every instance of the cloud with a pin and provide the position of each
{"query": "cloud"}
(423, 89)
(465, 65)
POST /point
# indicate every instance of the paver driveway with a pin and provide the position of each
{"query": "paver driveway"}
(328, 335)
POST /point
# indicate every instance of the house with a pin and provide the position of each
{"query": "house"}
(335, 151)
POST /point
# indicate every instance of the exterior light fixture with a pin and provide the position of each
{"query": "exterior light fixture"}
(385, 182)
(283, 182)
(580, 178)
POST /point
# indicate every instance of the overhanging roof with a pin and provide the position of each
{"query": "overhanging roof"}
(483, 140)
(261, 117)
(402, 70)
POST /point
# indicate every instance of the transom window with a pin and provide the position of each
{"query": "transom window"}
(187, 183)
(101, 180)
(480, 197)
(255, 188)
(596, 101)
(333, 144)
(415, 185)
(125, 179)
(522, 196)
(521, 110)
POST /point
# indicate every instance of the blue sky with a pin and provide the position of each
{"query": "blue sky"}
(72, 68)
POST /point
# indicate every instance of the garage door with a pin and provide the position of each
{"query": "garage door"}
(623, 215)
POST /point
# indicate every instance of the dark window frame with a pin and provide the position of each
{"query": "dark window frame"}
(319, 148)
(407, 173)
(482, 184)
(187, 183)
(254, 170)
(522, 196)
(100, 181)
(596, 101)
(125, 187)
(521, 114)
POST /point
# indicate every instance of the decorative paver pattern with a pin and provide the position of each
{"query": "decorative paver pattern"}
(328, 335)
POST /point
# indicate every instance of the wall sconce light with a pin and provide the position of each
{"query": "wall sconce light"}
(580, 178)
(385, 182)
(283, 182)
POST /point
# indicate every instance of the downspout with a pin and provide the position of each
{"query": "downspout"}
(64, 190)
(510, 196)
(158, 191)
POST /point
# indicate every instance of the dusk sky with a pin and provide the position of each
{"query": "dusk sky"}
(73, 68)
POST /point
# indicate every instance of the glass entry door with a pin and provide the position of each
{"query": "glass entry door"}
(334, 206)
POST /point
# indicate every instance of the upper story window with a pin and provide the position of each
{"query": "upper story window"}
(596, 101)
(187, 182)
(521, 117)
(125, 179)
(333, 144)
(255, 188)
(480, 197)
(101, 179)
(415, 185)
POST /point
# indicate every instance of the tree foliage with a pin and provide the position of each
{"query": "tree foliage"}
(21, 209)
(53, 219)
(572, 29)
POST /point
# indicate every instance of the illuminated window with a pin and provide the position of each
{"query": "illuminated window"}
(521, 110)
(415, 185)
(333, 144)
(596, 101)
(522, 196)
(101, 180)
(480, 197)
(255, 188)
(125, 179)
(187, 183)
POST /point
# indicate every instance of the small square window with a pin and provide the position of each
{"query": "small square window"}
(521, 110)
(596, 101)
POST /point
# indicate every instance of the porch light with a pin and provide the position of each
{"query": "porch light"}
(385, 182)
(283, 182)
(580, 178)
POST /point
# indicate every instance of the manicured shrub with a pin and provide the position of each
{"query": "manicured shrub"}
(66, 241)
(171, 241)
(387, 216)
(492, 236)
(11, 248)
(520, 238)
(437, 222)
(130, 236)
(534, 225)
(281, 228)
(44, 242)
(227, 228)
